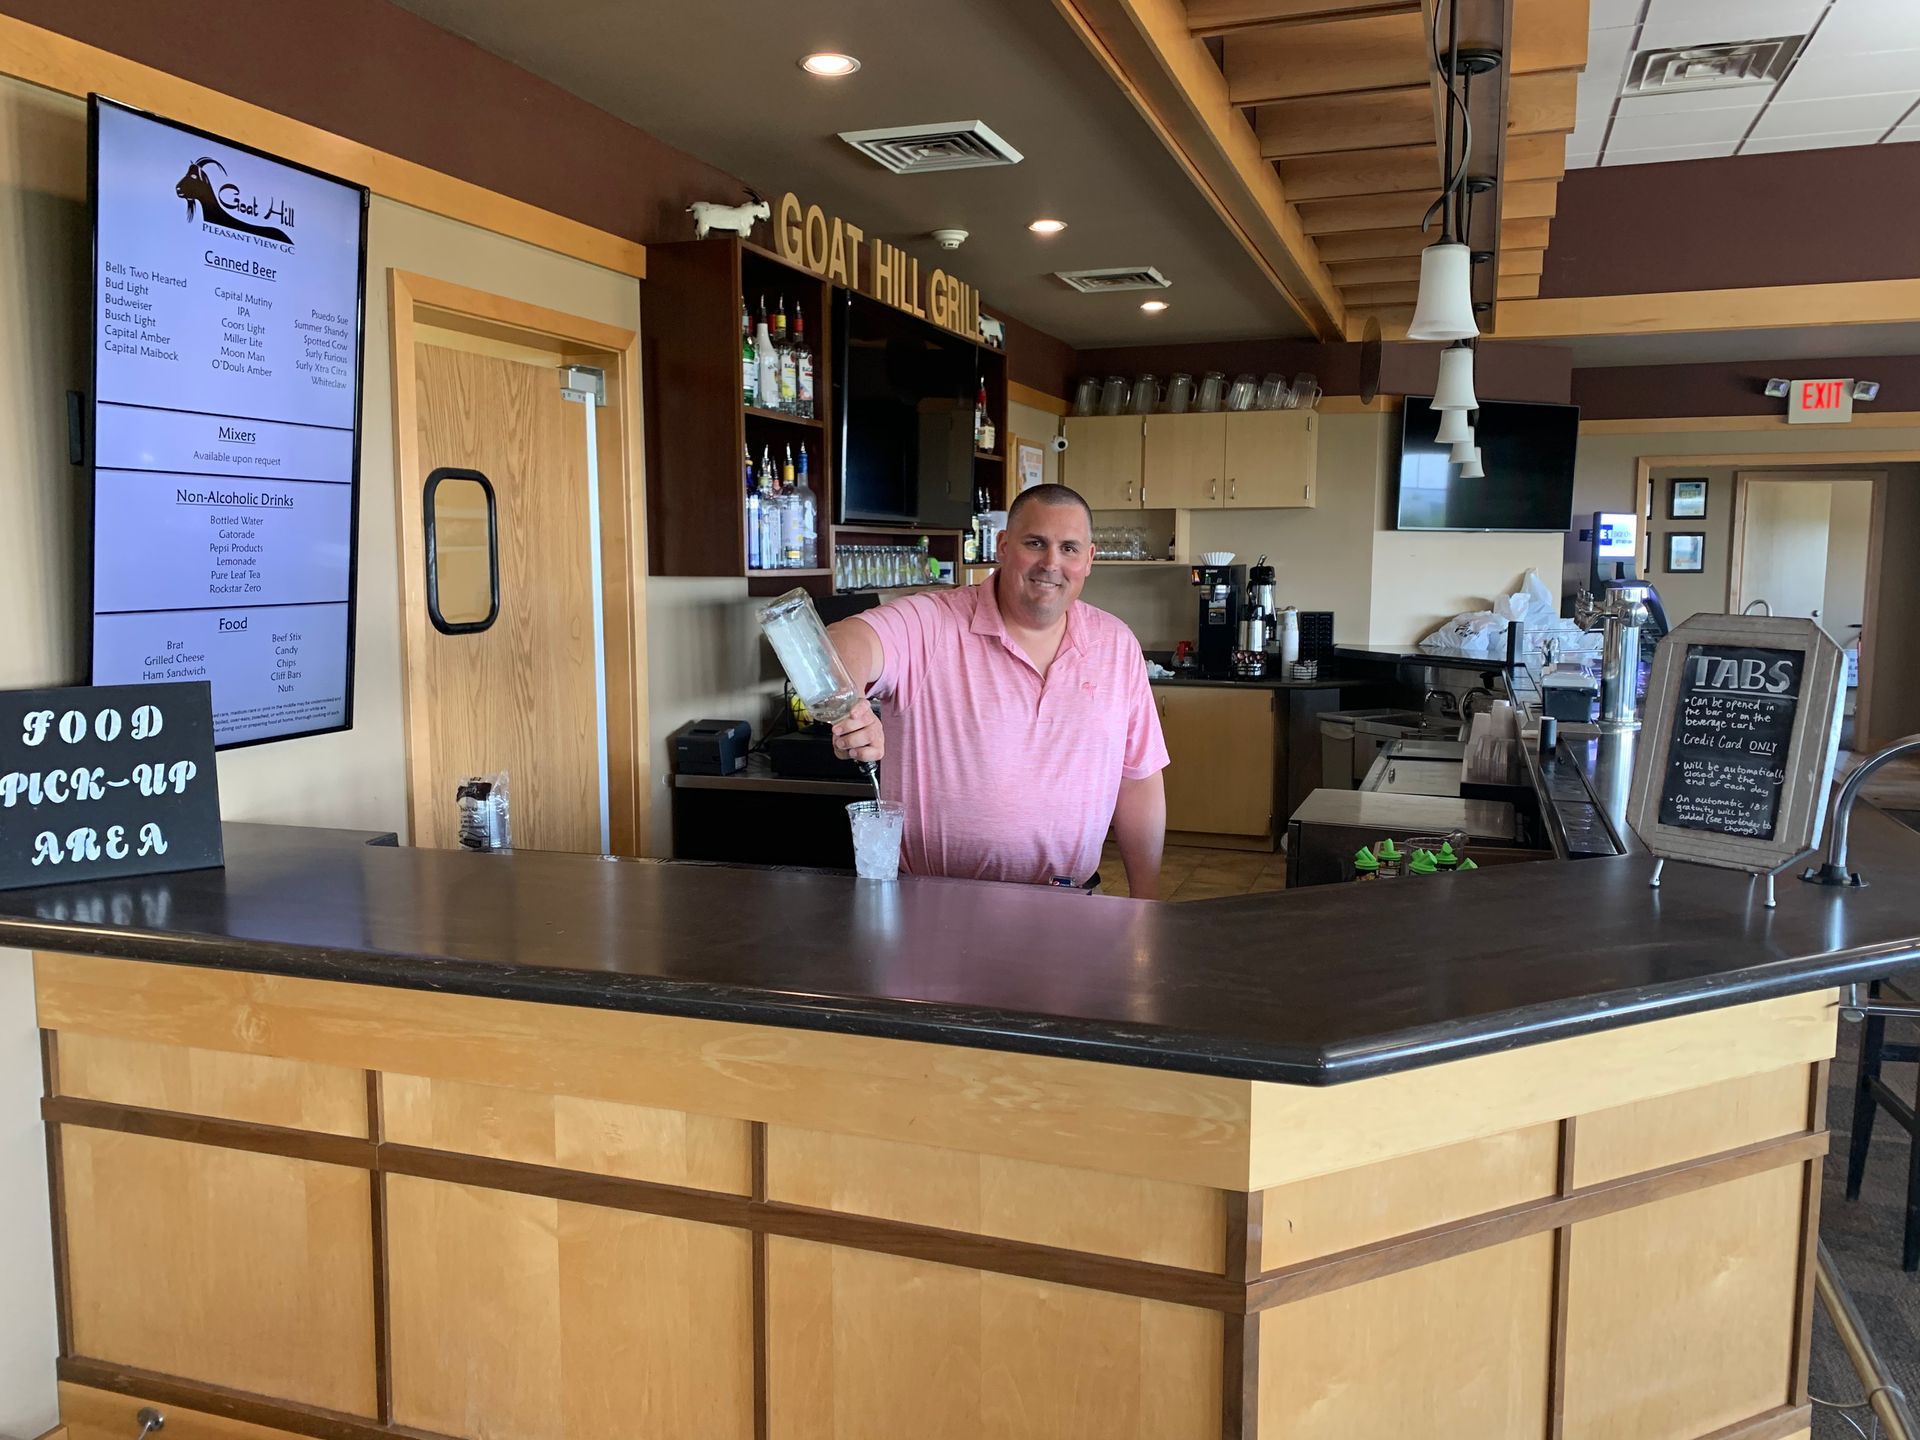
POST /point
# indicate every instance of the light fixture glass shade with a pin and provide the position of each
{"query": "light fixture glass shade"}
(1444, 310)
(1472, 470)
(1454, 427)
(1455, 390)
(1463, 451)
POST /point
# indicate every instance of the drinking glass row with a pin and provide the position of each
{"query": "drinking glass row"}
(1144, 394)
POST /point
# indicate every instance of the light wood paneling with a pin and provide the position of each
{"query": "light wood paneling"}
(90, 1414)
(1409, 239)
(1664, 1131)
(581, 1323)
(1529, 200)
(1153, 1220)
(1188, 1128)
(1454, 1351)
(1351, 1208)
(1215, 17)
(1681, 1313)
(1405, 269)
(1377, 119)
(66, 65)
(601, 1137)
(1542, 104)
(297, 1094)
(251, 1271)
(1019, 394)
(1272, 457)
(1300, 1132)
(1103, 459)
(1182, 461)
(1851, 302)
(1221, 742)
(865, 1345)
(1549, 35)
(1377, 52)
(1411, 167)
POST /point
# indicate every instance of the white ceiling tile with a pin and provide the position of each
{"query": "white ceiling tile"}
(1745, 98)
(1607, 54)
(1587, 159)
(1607, 14)
(1857, 25)
(1707, 22)
(1820, 73)
(1656, 153)
(1909, 130)
(1702, 127)
(1815, 117)
(1758, 146)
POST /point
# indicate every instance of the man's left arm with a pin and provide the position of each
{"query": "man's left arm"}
(1140, 830)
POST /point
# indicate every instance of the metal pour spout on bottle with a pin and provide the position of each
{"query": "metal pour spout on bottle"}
(813, 666)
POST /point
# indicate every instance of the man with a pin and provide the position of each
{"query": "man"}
(1019, 720)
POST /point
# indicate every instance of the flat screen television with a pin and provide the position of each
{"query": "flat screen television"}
(228, 294)
(1526, 450)
(903, 395)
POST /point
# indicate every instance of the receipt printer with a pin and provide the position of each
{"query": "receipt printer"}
(712, 747)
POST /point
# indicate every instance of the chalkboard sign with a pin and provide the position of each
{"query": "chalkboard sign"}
(1742, 723)
(103, 781)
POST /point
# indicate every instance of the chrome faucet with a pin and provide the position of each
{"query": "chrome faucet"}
(1834, 871)
(1765, 608)
(1466, 700)
(1449, 707)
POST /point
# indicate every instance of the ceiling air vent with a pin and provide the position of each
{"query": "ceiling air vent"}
(913, 149)
(1126, 277)
(1712, 67)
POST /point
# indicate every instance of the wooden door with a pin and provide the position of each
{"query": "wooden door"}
(1185, 459)
(519, 695)
(1270, 458)
(1102, 460)
(1221, 746)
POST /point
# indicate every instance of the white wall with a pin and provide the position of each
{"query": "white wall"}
(355, 778)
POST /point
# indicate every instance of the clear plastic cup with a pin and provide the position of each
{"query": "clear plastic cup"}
(876, 838)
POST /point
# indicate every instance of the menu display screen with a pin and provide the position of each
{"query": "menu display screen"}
(1732, 730)
(228, 303)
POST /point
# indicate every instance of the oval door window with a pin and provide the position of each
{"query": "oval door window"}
(463, 551)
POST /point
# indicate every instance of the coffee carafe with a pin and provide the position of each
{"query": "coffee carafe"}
(1260, 611)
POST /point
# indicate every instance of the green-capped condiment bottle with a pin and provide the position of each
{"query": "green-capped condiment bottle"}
(1422, 863)
(1444, 856)
(1466, 865)
(1388, 854)
(1365, 867)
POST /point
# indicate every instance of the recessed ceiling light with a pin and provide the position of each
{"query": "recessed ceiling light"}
(1047, 227)
(829, 62)
(1153, 307)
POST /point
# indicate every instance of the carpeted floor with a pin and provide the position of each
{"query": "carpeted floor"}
(1864, 1238)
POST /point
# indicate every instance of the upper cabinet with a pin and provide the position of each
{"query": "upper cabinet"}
(1244, 459)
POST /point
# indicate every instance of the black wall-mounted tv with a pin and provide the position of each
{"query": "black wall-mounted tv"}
(1527, 451)
(903, 395)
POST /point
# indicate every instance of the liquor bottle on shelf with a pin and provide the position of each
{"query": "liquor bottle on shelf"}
(809, 514)
(789, 363)
(749, 364)
(753, 514)
(803, 367)
(793, 541)
(768, 390)
(770, 518)
(980, 417)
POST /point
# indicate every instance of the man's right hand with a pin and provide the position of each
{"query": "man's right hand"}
(859, 736)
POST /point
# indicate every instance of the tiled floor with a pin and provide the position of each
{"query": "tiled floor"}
(1190, 873)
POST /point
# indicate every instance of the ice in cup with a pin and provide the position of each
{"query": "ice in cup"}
(876, 838)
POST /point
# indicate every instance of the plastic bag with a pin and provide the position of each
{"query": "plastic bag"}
(1482, 634)
(484, 822)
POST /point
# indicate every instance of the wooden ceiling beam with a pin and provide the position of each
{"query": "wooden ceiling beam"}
(1548, 35)
(1534, 199)
(1400, 268)
(1542, 104)
(1343, 247)
(1172, 80)
(1380, 52)
(1380, 119)
(1405, 292)
(1221, 17)
(1411, 167)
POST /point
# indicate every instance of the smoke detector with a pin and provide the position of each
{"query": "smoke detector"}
(1712, 67)
(1124, 277)
(950, 239)
(914, 149)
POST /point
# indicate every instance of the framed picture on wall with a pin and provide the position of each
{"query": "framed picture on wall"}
(1686, 499)
(1686, 552)
(1029, 464)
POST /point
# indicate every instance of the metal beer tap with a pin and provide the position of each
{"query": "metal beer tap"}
(1620, 614)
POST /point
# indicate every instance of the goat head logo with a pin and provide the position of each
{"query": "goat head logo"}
(218, 203)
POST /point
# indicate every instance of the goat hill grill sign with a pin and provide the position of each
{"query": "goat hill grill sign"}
(831, 248)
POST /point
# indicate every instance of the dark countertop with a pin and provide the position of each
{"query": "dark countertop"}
(1307, 987)
(759, 776)
(1325, 682)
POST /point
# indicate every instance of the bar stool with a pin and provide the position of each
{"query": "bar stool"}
(1870, 1094)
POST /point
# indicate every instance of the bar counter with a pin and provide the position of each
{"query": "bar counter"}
(355, 1141)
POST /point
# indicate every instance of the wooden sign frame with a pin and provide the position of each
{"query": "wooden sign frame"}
(1810, 754)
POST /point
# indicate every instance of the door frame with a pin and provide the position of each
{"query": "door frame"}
(1643, 497)
(496, 321)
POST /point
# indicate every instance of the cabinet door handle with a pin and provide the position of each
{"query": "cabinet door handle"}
(1129, 492)
(1213, 489)
(1306, 491)
(1233, 489)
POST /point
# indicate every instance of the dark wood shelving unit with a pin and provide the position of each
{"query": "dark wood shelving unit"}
(700, 430)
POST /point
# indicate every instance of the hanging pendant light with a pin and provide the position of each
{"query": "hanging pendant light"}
(1444, 310)
(1453, 427)
(1463, 450)
(1471, 469)
(1455, 390)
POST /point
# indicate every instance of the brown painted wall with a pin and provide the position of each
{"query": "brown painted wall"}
(1800, 217)
(1035, 358)
(1640, 392)
(1500, 371)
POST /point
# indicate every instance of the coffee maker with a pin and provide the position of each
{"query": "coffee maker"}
(1222, 589)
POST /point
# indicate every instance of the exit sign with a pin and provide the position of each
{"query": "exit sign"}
(1819, 402)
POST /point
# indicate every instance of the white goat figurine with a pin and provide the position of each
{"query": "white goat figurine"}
(734, 219)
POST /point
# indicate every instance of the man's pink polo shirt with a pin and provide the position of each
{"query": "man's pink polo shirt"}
(1004, 775)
